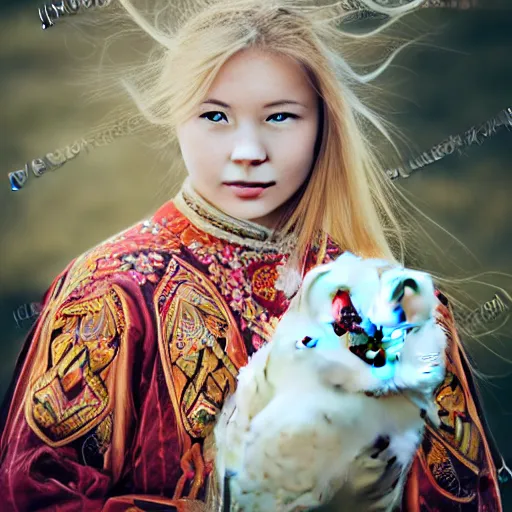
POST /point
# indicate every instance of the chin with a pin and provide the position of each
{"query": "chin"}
(249, 212)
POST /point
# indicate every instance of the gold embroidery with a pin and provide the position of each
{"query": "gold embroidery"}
(438, 460)
(456, 425)
(455, 483)
(191, 349)
(63, 343)
(104, 433)
(199, 335)
(68, 396)
(263, 282)
(71, 397)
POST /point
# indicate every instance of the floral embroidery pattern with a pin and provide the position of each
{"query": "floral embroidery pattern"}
(245, 278)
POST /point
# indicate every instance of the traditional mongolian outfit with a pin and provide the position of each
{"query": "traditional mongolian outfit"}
(139, 343)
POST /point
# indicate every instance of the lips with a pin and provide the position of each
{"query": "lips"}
(250, 184)
(249, 189)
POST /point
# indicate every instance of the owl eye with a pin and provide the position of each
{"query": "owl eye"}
(306, 342)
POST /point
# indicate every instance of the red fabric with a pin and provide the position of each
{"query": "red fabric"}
(36, 477)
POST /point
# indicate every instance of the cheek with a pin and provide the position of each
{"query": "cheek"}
(201, 152)
(296, 152)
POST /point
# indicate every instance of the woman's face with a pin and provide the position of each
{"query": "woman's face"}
(250, 145)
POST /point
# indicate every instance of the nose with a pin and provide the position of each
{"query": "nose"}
(249, 149)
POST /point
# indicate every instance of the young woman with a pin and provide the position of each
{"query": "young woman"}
(141, 338)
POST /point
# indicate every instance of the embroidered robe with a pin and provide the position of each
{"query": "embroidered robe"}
(139, 342)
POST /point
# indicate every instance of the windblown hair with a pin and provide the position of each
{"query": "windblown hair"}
(347, 194)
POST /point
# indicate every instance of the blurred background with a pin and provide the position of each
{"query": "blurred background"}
(459, 74)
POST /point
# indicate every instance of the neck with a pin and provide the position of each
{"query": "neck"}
(221, 225)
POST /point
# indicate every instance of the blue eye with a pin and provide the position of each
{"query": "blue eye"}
(306, 342)
(214, 117)
(283, 116)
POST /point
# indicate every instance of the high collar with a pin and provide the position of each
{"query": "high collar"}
(221, 225)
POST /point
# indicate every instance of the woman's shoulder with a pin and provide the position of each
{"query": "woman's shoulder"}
(136, 256)
(99, 307)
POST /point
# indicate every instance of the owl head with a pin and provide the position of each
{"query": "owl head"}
(349, 322)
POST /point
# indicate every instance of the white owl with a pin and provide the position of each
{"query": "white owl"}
(310, 419)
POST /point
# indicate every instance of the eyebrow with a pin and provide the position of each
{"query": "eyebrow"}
(268, 105)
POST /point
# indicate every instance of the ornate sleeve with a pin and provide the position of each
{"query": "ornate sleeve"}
(454, 469)
(71, 395)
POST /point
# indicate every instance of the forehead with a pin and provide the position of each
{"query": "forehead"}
(259, 75)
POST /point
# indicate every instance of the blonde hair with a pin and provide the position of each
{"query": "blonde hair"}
(357, 208)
